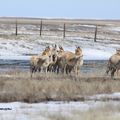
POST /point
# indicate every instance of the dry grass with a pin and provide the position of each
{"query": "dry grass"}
(18, 86)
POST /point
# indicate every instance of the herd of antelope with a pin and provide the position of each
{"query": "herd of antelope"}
(56, 59)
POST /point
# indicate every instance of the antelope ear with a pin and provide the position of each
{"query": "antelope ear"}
(76, 46)
(47, 47)
(55, 46)
(60, 46)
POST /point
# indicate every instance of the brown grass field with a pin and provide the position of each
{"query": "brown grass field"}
(18, 86)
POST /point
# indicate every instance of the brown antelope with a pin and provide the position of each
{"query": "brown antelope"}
(42, 61)
(113, 63)
(71, 64)
(69, 60)
(34, 66)
(78, 52)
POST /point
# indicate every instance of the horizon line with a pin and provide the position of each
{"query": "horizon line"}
(58, 18)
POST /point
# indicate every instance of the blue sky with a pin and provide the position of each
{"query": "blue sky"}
(89, 9)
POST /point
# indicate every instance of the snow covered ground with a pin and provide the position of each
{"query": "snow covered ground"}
(44, 110)
(24, 47)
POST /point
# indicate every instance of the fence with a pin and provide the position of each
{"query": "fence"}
(62, 28)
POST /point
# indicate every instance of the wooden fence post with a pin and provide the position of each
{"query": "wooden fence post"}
(95, 37)
(16, 28)
(41, 28)
(64, 31)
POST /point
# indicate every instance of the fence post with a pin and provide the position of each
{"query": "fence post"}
(41, 28)
(16, 28)
(64, 30)
(95, 37)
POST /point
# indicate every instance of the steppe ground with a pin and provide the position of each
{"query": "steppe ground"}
(54, 27)
(54, 87)
(51, 86)
(17, 85)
